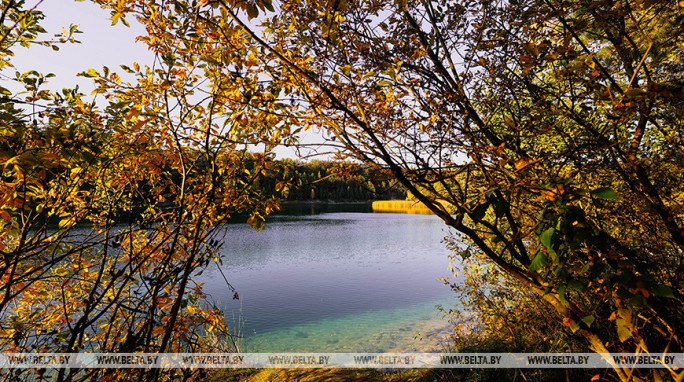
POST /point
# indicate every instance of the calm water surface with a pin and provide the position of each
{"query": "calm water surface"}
(341, 281)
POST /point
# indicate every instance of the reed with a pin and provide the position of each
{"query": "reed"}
(401, 206)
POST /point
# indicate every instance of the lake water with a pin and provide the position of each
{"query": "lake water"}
(336, 282)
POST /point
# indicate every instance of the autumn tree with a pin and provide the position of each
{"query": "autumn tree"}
(547, 132)
(112, 203)
(552, 129)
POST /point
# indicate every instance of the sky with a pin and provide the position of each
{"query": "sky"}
(101, 45)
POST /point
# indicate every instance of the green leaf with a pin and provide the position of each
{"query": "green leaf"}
(268, 4)
(539, 261)
(663, 291)
(561, 294)
(589, 320)
(545, 237)
(604, 193)
(585, 268)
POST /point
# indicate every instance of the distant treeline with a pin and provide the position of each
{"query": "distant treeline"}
(329, 181)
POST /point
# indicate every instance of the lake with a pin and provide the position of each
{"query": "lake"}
(322, 281)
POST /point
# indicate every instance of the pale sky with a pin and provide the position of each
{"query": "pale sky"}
(101, 45)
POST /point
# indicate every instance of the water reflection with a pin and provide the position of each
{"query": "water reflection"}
(310, 269)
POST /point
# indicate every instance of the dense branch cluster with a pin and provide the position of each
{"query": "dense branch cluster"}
(548, 133)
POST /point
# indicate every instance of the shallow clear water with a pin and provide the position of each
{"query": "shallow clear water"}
(335, 282)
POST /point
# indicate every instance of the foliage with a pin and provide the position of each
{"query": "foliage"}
(169, 150)
(329, 181)
(497, 314)
(553, 127)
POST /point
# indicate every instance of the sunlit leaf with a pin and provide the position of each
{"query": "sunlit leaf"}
(604, 193)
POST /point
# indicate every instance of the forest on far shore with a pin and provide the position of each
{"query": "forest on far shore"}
(329, 181)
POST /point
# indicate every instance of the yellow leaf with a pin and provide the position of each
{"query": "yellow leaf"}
(251, 60)
(521, 164)
(65, 223)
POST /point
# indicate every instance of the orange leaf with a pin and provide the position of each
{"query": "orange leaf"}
(5, 215)
(642, 291)
(140, 124)
(521, 164)
(134, 112)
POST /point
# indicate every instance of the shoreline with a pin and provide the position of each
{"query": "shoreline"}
(314, 202)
